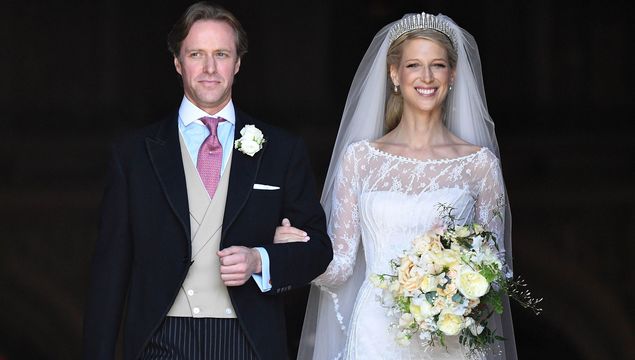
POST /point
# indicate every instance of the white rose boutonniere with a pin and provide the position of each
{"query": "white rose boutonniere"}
(251, 140)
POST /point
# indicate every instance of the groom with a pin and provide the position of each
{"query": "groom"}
(185, 253)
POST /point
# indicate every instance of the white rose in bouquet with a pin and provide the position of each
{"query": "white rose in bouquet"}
(471, 284)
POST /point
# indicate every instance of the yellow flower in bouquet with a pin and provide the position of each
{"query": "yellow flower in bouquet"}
(461, 232)
(449, 290)
(448, 258)
(404, 270)
(428, 283)
(412, 283)
(449, 323)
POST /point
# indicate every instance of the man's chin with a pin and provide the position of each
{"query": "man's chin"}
(211, 103)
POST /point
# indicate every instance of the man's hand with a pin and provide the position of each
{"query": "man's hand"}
(237, 264)
(287, 233)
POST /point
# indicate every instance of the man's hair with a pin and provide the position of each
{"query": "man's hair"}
(204, 10)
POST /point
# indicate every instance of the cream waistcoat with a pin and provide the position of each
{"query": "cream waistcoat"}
(203, 294)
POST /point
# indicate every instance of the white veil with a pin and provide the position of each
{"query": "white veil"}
(325, 331)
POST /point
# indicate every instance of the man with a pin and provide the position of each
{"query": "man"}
(186, 248)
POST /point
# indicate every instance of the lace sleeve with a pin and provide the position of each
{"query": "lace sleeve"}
(343, 223)
(490, 201)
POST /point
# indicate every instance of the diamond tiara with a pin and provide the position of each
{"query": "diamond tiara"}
(421, 21)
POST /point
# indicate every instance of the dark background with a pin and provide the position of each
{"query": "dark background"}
(559, 81)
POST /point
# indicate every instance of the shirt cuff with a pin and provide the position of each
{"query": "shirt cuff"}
(263, 280)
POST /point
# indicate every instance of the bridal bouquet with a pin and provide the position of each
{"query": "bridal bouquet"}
(449, 283)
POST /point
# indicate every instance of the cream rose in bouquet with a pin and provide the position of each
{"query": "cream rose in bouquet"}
(448, 283)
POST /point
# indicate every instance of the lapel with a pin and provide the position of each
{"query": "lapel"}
(166, 159)
(241, 178)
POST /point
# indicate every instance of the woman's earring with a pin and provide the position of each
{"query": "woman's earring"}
(395, 89)
(450, 87)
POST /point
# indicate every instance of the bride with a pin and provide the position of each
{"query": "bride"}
(415, 133)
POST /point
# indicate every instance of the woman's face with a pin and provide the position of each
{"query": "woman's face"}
(423, 75)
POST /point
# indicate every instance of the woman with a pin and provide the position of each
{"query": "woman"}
(397, 157)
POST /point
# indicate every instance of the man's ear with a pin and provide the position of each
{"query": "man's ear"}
(237, 66)
(177, 65)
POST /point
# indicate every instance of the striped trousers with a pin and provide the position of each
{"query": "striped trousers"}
(185, 338)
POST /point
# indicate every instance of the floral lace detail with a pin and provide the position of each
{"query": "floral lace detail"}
(408, 159)
(366, 169)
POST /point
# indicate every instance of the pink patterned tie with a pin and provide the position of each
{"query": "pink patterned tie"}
(210, 156)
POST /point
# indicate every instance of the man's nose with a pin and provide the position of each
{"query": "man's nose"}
(209, 66)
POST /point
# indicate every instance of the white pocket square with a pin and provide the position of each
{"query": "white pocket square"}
(265, 187)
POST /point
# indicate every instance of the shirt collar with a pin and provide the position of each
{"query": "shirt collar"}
(189, 113)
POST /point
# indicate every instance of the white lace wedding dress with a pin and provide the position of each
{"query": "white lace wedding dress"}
(383, 201)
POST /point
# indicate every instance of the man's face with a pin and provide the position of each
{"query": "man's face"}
(207, 63)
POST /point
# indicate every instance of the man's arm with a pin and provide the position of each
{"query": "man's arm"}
(239, 263)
